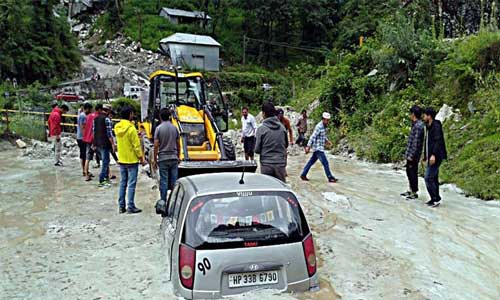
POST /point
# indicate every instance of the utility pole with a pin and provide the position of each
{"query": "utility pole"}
(244, 47)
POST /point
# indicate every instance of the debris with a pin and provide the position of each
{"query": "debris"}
(445, 113)
(20, 144)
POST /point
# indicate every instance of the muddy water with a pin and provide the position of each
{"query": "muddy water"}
(62, 238)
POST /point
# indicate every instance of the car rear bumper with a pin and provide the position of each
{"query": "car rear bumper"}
(308, 284)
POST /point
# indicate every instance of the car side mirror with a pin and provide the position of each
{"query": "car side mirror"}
(161, 208)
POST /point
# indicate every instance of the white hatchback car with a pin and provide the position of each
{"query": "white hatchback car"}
(224, 237)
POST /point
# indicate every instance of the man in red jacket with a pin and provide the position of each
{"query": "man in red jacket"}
(55, 130)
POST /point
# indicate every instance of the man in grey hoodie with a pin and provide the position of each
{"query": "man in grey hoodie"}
(271, 144)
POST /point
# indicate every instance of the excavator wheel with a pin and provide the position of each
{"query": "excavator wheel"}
(229, 148)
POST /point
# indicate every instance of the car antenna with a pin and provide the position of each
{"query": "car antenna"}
(242, 181)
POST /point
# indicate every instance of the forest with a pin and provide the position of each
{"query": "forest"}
(366, 61)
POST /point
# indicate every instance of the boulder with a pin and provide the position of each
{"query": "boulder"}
(20, 144)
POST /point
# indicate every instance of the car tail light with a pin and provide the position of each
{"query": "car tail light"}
(309, 254)
(187, 257)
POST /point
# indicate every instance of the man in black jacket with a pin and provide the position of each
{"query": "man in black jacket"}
(271, 144)
(413, 151)
(434, 154)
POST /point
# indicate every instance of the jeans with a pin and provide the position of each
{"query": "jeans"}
(128, 179)
(432, 181)
(57, 147)
(324, 161)
(412, 174)
(104, 152)
(301, 139)
(168, 176)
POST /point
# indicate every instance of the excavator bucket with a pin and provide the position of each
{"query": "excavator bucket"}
(188, 168)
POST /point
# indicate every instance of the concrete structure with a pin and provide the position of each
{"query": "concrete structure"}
(199, 52)
(179, 16)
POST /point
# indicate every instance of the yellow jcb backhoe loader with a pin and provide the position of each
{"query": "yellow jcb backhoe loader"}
(201, 116)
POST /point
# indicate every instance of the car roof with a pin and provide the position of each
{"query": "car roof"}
(217, 183)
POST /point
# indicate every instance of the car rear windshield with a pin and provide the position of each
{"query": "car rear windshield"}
(244, 219)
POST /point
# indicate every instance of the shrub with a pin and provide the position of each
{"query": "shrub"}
(121, 102)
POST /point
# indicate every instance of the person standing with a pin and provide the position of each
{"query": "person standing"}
(104, 143)
(413, 152)
(80, 129)
(302, 129)
(434, 154)
(271, 143)
(129, 157)
(55, 130)
(286, 123)
(317, 143)
(166, 153)
(88, 139)
(248, 128)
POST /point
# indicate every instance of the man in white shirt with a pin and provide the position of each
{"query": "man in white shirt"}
(248, 128)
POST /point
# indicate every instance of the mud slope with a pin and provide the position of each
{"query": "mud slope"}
(62, 238)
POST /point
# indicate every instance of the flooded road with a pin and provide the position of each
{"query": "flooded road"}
(62, 238)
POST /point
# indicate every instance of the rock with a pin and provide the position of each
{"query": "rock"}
(445, 113)
(20, 144)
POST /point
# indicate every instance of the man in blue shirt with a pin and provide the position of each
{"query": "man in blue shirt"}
(80, 129)
(317, 143)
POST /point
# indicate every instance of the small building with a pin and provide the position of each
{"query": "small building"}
(199, 52)
(179, 16)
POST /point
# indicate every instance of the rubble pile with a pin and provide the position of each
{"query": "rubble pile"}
(125, 52)
(43, 150)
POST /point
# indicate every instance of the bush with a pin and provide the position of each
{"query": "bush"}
(121, 102)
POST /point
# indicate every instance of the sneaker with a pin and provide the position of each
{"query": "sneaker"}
(435, 203)
(96, 166)
(104, 184)
(430, 202)
(134, 210)
(122, 210)
(304, 178)
(412, 196)
(59, 164)
(333, 180)
(405, 194)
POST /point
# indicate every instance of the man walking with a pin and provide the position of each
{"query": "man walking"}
(80, 129)
(413, 151)
(248, 128)
(103, 142)
(434, 154)
(302, 129)
(55, 130)
(317, 142)
(271, 144)
(166, 152)
(286, 123)
(129, 157)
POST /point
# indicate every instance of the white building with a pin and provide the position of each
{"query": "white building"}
(191, 51)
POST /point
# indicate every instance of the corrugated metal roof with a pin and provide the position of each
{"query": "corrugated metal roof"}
(185, 13)
(185, 38)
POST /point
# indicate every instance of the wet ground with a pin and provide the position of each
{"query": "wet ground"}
(62, 238)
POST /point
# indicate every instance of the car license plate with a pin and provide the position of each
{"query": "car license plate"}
(253, 278)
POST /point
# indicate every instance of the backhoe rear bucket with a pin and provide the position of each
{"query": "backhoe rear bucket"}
(187, 168)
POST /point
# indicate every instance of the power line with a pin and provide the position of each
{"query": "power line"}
(285, 45)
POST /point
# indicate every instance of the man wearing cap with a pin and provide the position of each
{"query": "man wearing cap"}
(317, 143)
(104, 142)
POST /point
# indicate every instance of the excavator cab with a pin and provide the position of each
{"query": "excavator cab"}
(201, 115)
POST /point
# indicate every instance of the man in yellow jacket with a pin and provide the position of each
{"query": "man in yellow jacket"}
(129, 157)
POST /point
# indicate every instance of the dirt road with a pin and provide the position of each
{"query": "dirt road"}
(62, 238)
